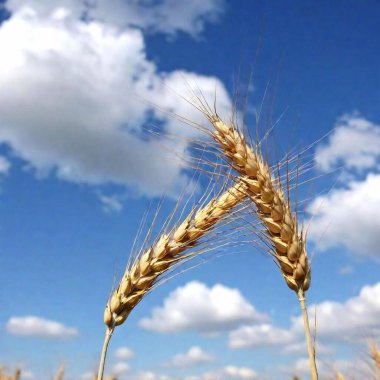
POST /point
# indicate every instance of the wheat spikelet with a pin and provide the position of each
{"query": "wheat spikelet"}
(168, 250)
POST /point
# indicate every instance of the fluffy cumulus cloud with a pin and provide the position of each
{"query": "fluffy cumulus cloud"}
(354, 320)
(259, 336)
(197, 307)
(328, 368)
(39, 327)
(145, 375)
(166, 16)
(227, 373)
(124, 353)
(27, 375)
(120, 368)
(123, 372)
(192, 358)
(349, 217)
(354, 143)
(85, 89)
(300, 348)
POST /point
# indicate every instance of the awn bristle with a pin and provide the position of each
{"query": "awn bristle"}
(168, 250)
(272, 208)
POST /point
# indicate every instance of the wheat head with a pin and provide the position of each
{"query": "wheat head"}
(269, 198)
(167, 251)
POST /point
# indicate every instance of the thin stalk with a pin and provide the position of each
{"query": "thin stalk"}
(109, 331)
(310, 346)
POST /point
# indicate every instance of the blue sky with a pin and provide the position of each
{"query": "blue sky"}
(78, 171)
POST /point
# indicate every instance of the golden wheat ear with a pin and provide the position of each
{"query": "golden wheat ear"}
(170, 249)
(266, 191)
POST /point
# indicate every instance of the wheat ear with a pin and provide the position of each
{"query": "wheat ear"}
(274, 211)
(167, 251)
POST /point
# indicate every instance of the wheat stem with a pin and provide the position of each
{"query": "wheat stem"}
(109, 331)
(310, 347)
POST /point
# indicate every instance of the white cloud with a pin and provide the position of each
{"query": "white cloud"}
(355, 143)
(240, 373)
(301, 348)
(196, 307)
(354, 319)
(110, 203)
(87, 376)
(227, 373)
(124, 353)
(259, 335)
(27, 375)
(349, 217)
(327, 368)
(166, 16)
(39, 327)
(4, 165)
(192, 358)
(84, 90)
(120, 368)
(346, 270)
(146, 375)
